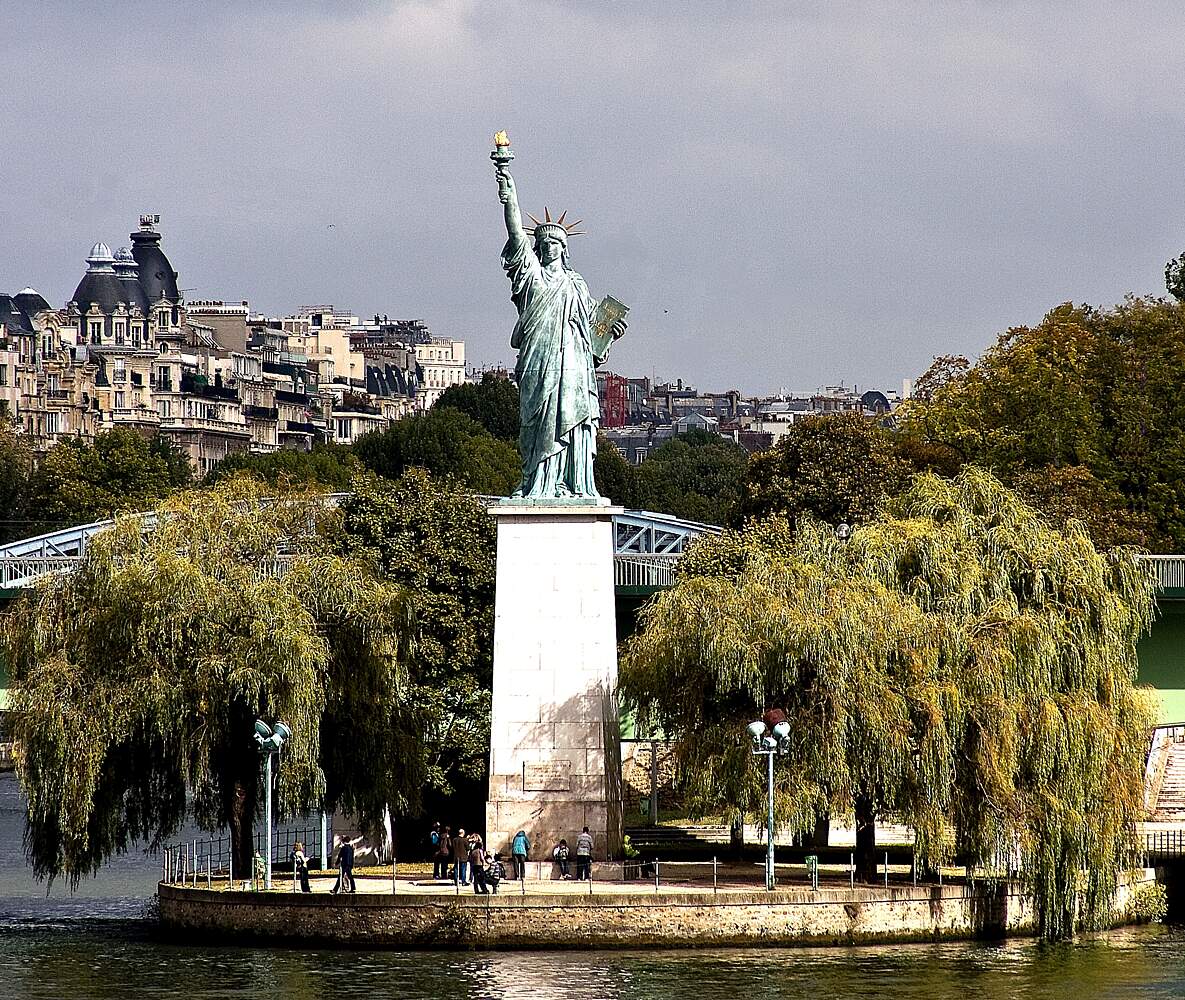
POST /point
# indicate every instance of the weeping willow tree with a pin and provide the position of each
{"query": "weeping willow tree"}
(136, 679)
(957, 665)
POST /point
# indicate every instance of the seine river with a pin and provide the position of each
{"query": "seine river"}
(97, 943)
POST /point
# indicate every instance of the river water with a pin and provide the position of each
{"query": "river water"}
(98, 943)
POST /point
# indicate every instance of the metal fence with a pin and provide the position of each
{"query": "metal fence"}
(1163, 845)
(201, 862)
(630, 570)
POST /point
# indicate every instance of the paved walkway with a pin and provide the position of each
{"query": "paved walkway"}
(674, 878)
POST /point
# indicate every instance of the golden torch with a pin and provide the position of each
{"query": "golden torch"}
(502, 154)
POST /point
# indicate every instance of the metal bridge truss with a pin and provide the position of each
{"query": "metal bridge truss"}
(647, 546)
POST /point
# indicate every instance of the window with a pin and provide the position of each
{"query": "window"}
(162, 408)
(119, 400)
(343, 428)
(119, 331)
(3, 374)
(162, 319)
(121, 374)
(96, 330)
(53, 422)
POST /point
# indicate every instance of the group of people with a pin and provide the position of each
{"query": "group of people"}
(460, 856)
(463, 858)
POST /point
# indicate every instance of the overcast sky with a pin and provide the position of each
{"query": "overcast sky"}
(787, 194)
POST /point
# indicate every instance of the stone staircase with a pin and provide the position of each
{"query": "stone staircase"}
(1166, 778)
(677, 841)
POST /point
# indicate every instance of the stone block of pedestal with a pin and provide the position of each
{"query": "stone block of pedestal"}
(555, 741)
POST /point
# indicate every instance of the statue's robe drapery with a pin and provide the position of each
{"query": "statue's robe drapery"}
(556, 378)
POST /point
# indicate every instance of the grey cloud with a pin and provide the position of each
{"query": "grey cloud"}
(811, 192)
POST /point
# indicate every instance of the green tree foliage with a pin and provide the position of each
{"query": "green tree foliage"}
(437, 541)
(492, 402)
(615, 477)
(121, 470)
(447, 443)
(16, 463)
(330, 465)
(1083, 414)
(138, 678)
(697, 476)
(1174, 277)
(958, 665)
(839, 467)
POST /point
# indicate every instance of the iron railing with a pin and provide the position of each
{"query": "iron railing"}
(202, 862)
(1170, 571)
(635, 570)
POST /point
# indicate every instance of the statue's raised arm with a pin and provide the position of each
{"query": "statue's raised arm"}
(506, 190)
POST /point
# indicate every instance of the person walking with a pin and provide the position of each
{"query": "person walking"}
(584, 849)
(345, 867)
(300, 864)
(559, 855)
(444, 851)
(519, 848)
(477, 867)
(460, 858)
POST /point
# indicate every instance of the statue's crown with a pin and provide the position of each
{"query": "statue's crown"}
(564, 229)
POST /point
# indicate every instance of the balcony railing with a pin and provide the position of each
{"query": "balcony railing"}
(183, 423)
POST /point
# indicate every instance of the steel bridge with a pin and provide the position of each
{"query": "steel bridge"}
(646, 547)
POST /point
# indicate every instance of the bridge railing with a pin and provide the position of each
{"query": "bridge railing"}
(1170, 571)
(21, 571)
(638, 570)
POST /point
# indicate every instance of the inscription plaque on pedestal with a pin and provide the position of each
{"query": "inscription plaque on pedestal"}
(553, 777)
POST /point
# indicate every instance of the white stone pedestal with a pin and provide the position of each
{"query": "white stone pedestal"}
(555, 740)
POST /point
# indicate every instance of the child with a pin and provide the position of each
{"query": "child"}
(496, 873)
(560, 856)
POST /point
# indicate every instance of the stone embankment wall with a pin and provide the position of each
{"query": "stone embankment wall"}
(604, 921)
(611, 920)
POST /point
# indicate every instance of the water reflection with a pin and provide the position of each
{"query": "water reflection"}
(86, 946)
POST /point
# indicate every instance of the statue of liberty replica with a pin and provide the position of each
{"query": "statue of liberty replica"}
(555, 763)
(562, 333)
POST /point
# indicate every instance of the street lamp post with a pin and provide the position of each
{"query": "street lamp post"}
(269, 742)
(769, 742)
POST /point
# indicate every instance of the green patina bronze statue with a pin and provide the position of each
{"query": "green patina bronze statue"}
(561, 334)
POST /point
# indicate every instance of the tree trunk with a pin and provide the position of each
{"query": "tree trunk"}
(866, 859)
(821, 834)
(242, 815)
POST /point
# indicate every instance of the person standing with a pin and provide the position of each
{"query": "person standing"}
(300, 863)
(460, 858)
(519, 847)
(584, 849)
(345, 867)
(444, 851)
(477, 867)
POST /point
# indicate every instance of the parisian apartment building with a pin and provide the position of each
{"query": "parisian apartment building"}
(128, 350)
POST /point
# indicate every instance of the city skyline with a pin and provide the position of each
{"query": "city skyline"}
(835, 192)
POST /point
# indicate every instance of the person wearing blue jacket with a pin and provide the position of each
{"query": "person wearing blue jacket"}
(519, 848)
